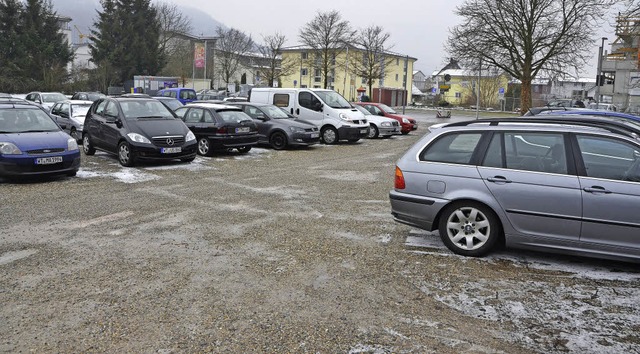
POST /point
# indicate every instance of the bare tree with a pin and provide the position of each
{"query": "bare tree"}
(172, 25)
(327, 35)
(371, 56)
(232, 47)
(527, 37)
(271, 52)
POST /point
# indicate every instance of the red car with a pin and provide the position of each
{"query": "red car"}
(407, 124)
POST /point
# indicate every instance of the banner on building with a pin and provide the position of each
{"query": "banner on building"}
(198, 56)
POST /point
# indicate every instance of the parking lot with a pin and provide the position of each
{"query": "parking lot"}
(280, 251)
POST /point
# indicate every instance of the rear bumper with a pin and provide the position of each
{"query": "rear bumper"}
(232, 141)
(415, 210)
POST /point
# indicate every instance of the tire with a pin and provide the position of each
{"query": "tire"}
(74, 134)
(126, 157)
(353, 140)
(405, 133)
(188, 159)
(72, 173)
(373, 131)
(386, 136)
(204, 147)
(278, 140)
(329, 135)
(87, 145)
(244, 149)
(469, 228)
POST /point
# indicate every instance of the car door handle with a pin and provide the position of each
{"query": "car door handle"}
(597, 189)
(498, 179)
(298, 111)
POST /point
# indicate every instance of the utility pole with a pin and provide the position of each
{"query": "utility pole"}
(478, 95)
(599, 74)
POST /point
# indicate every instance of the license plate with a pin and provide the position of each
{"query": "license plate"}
(48, 160)
(315, 135)
(243, 130)
(172, 150)
(364, 131)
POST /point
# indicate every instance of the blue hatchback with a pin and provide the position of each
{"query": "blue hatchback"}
(31, 143)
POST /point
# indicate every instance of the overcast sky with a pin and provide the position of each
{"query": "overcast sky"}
(418, 28)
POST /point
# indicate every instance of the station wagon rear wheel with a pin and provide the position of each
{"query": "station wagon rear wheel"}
(204, 147)
(469, 229)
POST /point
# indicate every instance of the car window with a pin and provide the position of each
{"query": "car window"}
(111, 110)
(187, 95)
(275, 112)
(309, 101)
(281, 99)
(64, 110)
(173, 94)
(55, 109)
(234, 116)
(208, 118)
(610, 158)
(452, 148)
(53, 97)
(100, 107)
(195, 115)
(541, 152)
(180, 112)
(80, 109)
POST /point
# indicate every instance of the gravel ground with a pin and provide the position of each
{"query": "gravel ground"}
(280, 251)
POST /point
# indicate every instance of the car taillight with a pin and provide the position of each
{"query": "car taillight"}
(399, 182)
(222, 130)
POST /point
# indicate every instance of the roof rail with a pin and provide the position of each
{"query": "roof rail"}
(614, 126)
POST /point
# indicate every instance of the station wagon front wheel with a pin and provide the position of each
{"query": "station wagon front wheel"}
(469, 229)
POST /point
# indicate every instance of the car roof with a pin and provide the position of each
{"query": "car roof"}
(76, 101)
(177, 89)
(215, 106)
(6, 104)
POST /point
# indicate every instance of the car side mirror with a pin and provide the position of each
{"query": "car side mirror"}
(381, 114)
(318, 107)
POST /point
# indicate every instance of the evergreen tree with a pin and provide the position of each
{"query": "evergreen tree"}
(11, 47)
(127, 36)
(48, 52)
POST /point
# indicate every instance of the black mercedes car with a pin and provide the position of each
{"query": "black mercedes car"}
(137, 129)
(219, 127)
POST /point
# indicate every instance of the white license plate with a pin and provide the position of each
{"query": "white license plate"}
(364, 131)
(243, 130)
(48, 160)
(172, 150)
(315, 135)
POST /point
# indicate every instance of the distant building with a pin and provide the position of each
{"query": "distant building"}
(581, 88)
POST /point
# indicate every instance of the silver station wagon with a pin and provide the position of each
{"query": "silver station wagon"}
(562, 186)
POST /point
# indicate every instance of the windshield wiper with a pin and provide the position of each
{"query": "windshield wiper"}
(37, 131)
(151, 117)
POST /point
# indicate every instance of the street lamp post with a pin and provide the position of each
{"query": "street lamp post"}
(598, 75)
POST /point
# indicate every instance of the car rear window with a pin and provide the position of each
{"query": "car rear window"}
(233, 116)
(452, 148)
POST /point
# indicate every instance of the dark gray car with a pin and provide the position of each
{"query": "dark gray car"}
(563, 187)
(278, 129)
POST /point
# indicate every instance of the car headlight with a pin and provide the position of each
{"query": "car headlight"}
(343, 116)
(190, 136)
(72, 144)
(9, 149)
(296, 129)
(138, 138)
(405, 121)
(386, 124)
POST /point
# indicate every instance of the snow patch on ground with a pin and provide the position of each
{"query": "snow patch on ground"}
(198, 164)
(125, 175)
(350, 176)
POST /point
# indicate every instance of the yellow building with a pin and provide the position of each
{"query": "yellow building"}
(460, 89)
(344, 81)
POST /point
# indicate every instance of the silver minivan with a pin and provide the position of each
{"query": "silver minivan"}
(558, 186)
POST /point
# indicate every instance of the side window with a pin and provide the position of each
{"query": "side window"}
(180, 112)
(541, 152)
(56, 109)
(452, 148)
(64, 110)
(208, 118)
(309, 101)
(194, 116)
(111, 110)
(100, 107)
(173, 94)
(281, 99)
(187, 95)
(609, 158)
(493, 157)
(30, 97)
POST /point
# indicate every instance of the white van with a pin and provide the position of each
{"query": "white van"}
(327, 109)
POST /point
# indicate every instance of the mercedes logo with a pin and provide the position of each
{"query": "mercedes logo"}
(170, 141)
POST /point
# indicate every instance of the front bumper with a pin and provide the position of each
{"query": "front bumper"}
(152, 152)
(352, 133)
(25, 165)
(389, 130)
(304, 139)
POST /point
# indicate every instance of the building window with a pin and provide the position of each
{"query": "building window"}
(396, 77)
(303, 72)
(317, 72)
(397, 61)
(317, 79)
(364, 81)
(304, 55)
(316, 86)
(303, 86)
(458, 95)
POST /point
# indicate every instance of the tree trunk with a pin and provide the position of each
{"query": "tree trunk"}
(525, 96)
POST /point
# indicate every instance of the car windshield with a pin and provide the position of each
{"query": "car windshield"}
(53, 97)
(275, 112)
(16, 120)
(234, 116)
(333, 99)
(173, 104)
(80, 110)
(137, 109)
(387, 109)
(95, 96)
(363, 110)
(599, 106)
